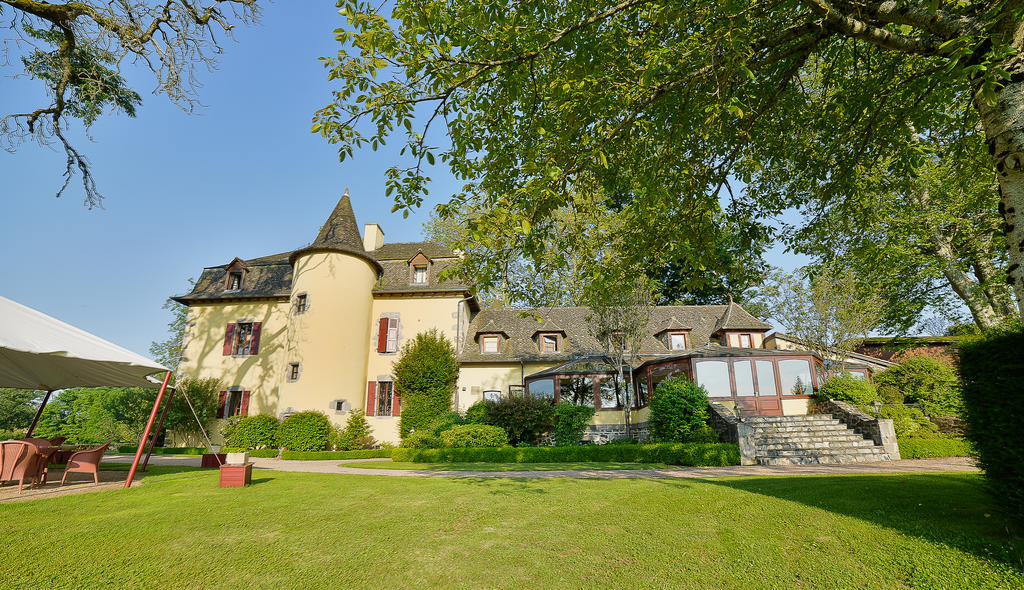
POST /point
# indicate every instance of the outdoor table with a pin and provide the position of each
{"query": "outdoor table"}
(45, 455)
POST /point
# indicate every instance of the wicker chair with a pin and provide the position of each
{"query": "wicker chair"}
(42, 443)
(19, 460)
(57, 441)
(87, 461)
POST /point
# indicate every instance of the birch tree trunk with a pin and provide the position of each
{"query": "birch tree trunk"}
(969, 291)
(1003, 124)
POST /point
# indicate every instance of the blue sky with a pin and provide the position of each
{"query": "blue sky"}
(243, 176)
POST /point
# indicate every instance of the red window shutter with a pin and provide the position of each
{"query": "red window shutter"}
(382, 335)
(371, 398)
(396, 402)
(244, 410)
(229, 339)
(255, 337)
(221, 403)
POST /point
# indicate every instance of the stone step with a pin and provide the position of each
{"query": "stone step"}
(837, 437)
(817, 446)
(815, 452)
(822, 459)
(769, 419)
(781, 423)
(759, 430)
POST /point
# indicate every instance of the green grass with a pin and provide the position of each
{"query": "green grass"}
(291, 530)
(577, 466)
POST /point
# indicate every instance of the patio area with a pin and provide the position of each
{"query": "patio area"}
(76, 484)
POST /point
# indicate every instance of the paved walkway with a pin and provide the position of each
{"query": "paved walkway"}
(338, 466)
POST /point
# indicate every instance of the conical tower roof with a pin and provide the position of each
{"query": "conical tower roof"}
(340, 233)
(340, 230)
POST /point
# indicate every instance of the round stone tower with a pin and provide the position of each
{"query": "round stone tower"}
(330, 324)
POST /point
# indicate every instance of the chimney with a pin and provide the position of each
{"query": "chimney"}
(373, 237)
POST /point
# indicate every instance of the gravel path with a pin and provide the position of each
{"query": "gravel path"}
(964, 464)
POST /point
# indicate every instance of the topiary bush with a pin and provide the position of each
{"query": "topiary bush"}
(304, 431)
(465, 436)
(422, 440)
(847, 388)
(678, 407)
(525, 419)
(355, 435)
(425, 377)
(570, 422)
(254, 432)
(923, 380)
(477, 413)
(992, 372)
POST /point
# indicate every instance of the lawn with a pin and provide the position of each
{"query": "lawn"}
(291, 530)
(579, 466)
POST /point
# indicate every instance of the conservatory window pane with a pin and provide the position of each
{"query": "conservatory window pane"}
(714, 376)
(765, 378)
(542, 389)
(609, 394)
(795, 375)
(577, 391)
(744, 378)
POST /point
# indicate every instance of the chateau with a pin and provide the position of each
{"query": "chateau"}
(319, 328)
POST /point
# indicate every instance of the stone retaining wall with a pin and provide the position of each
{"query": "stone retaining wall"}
(880, 430)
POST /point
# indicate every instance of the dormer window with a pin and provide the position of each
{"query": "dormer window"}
(677, 340)
(234, 280)
(550, 343)
(745, 341)
(490, 344)
(419, 274)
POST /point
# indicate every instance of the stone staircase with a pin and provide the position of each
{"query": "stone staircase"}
(798, 440)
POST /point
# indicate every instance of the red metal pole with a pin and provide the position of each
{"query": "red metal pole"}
(149, 426)
(35, 420)
(170, 398)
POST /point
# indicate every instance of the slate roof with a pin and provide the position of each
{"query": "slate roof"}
(271, 276)
(737, 318)
(520, 325)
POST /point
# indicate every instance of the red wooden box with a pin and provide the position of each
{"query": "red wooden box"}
(235, 476)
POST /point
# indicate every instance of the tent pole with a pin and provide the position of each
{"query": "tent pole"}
(149, 426)
(170, 397)
(39, 413)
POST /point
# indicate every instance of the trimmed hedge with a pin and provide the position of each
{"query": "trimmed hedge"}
(696, 454)
(305, 431)
(255, 432)
(992, 372)
(130, 449)
(466, 436)
(254, 453)
(926, 448)
(317, 455)
(678, 407)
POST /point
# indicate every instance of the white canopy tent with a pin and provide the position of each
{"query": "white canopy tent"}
(40, 352)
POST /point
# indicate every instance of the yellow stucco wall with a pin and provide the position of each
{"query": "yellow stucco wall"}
(794, 407)
(330, 340)
(261, 374)
(476, 378)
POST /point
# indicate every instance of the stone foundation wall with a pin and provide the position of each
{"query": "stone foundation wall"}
(602, 433)
(880, 430)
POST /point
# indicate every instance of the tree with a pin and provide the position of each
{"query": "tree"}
(82, 415)
(831, 311)
(205, 400)
(77, 51)
(547, 102)
(425, 375)
(620, 309)
(930, 242)
(17, 408)
(168, 352)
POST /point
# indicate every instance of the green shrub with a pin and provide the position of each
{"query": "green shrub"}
(422, 440)
(992, 371)
(478, 412)
(464, 436)
(444, 422)
(717, 454)
(255, 432)
(257, 453)
(923, 380)
(425, 377)
(355, 434)
(908, 422)
(704, 434)
(304, 431)
(678, 407)
(322, 455)
(846, 388)
(130, 449)
(525, 419)
(570, 422)
(926, 448)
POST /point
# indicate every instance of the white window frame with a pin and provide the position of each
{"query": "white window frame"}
(391, 344)
(672, 340)
(750, 340)
(420, 274)
(490, 338)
